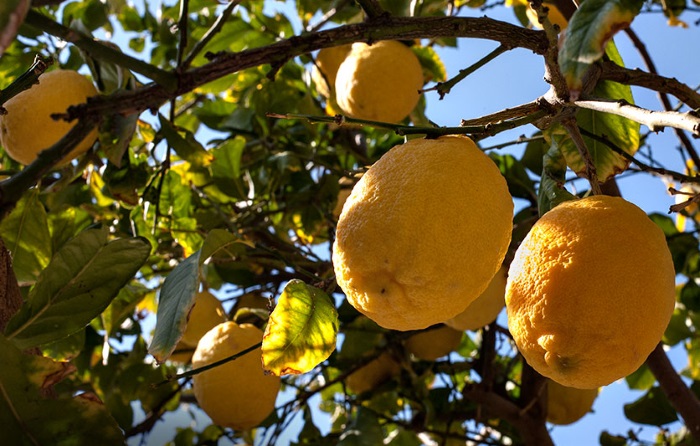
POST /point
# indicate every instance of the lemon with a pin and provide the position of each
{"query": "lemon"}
(379, 82)
(206, 314)
(554, 15)
(28, 128)
(423, 233)
(182, 353)
(236, 394)
(486, 308)
(433, 343)
(324, 72)
(566, 405)
(590, 291)
(374, 373)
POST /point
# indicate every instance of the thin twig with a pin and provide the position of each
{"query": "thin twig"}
(99, 51)
(444, 88)
(655, 120)
(211, 32)
(182, 30)
(209, 366)
(665, 101)
(591, 173)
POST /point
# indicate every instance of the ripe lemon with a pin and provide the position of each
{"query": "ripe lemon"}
(236, 394)
(566, 405)
(485, 308)
(554, 15)
(423, 233)
(206, 314)
(374, 373)
(182, 354)
(379, 82)
(324, 72)
(434, 343)
(590, 291)
(28, 128)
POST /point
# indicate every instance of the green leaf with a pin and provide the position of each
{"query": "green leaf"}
(27, 417)
(174, 304)
(590, 28)
(621, 132)
(226, 167)
(653, 408)
(641, 379)
(12, 13)
(607, 439)
(184, 143)
(219, 241)
(301, 332)
(433, 68)
(25, 232)
(552, 192)
(534, 153)
(78, 284)
(690, 296)
(677, 329)
(364, 430)
(519, 183)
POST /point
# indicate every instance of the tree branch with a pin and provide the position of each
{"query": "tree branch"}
(656, 121)
(372, 8)
(682, 398)
(99, 51)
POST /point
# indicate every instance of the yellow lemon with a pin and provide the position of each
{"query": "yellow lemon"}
(206, 314)
(554, 15)
(324, 72)
(423, 233)
(486, 308)
(28, 128)
(590, 291)
(182, 354)
(566, 405)
(379, 82)
(433, 343)
(236, 394)
(373, 374)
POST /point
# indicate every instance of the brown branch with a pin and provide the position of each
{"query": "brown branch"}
(665, 101)
(683, 399)
(391, 28)
(372, 8)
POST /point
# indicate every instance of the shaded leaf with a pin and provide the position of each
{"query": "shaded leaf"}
(641, 379)
(690, 296)
(219, 240)
(519, 183)
(25, 232)
(301, 332)
(27, 417)
(590, 28)
(653, 408)
(433, 68)
(184, 144)
(174, 304)
(78, 284)
(552, 191)
(607, 439)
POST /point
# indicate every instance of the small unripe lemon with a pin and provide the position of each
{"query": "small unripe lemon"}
(28, 128)
(206, 314)
(379, 82)
(566, 405)
(433, 343)
(485, 308)
(236, 394)
(374, 373)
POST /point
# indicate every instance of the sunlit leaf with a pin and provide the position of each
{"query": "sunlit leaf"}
(433, 67)
(641, 379)
(26, 235)
(28, 417)
(301, 332)
(174, 303)
(590, 28)
(78, 284)
(218, 241)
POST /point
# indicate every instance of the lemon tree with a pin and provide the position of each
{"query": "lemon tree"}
(360, 187)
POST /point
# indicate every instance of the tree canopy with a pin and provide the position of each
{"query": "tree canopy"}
(222, 163)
